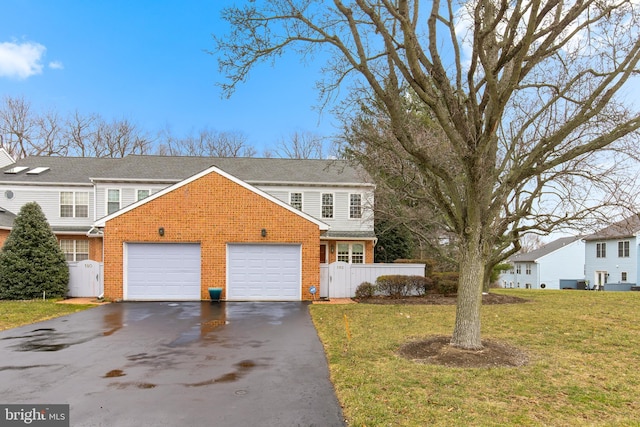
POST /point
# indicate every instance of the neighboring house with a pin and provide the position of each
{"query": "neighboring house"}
(169, 228)
(545, 267)
(611, 259)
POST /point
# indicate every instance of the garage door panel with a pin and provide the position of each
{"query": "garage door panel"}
(163, 271)
(264, 272)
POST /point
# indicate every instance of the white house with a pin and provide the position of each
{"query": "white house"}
(544, 268)
(611, 256)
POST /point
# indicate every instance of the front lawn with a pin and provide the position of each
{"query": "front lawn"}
(18, 313)
(583, 348)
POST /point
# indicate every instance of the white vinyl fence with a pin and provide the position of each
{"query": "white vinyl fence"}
(340, 279)
(85, 279)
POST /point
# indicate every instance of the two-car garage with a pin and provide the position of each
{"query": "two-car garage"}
(211, 230)
(172, 271)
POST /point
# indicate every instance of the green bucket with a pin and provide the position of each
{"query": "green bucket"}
(214, 293)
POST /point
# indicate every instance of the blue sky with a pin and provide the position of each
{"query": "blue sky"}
(145, 61)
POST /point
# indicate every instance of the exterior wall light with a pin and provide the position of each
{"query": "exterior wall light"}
(161, 231)
(263, 232)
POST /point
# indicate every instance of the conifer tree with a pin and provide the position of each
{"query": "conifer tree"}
(31, 261)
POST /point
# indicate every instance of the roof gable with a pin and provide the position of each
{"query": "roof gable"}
(545, 250)
(628, 227)
(213, 169)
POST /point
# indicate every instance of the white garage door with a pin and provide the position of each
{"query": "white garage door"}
(263, 272)
(162, 272)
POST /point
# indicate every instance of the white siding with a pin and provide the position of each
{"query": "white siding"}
(128, 194)
(567, 262)
(49, 200)
(312, 204)
(612, 264)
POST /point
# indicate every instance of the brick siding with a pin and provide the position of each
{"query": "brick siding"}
(212, 211)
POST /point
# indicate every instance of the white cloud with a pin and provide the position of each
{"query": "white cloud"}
(56, 65)
(20, 60)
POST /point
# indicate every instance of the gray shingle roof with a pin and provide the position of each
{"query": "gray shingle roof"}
(544, 250)
(628, 227)
(82, 170)
(349, 234)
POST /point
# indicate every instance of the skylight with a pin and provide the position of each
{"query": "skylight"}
(37, 171)
(16, 169)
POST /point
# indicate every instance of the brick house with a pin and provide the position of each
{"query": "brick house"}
(169, 228)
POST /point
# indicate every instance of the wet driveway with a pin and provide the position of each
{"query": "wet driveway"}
(174, 364)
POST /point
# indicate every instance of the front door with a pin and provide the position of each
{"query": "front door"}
(601, 280)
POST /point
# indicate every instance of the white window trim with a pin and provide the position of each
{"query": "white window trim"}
(628, 249)
(106, 200)
(333, 204)
(361, 206)
(136, 190)
(75, 249)
(350, 245)
(301, 199)
(74, 203)
(601, 249)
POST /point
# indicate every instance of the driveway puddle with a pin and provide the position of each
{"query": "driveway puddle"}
(243, 366)
(46, 339)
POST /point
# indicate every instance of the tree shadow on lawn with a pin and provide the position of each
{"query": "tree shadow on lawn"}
(437, 350)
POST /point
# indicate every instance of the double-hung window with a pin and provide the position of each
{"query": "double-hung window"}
(75, 250)
(623, 249)
(74, 204)
(355, 206)
(601, 250)
(295, 200)
(113, 200)
(327, 205)
(352, 253)
(527, 269)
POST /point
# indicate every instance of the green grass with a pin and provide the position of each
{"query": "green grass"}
(18, 313)
(584, 367)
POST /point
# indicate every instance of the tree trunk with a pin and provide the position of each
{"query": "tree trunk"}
(466, 333)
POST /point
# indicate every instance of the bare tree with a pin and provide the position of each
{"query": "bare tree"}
(207, 142)
(521, 98)
(92, 136)
(301, 145)
(50, 140)
(79, 130)
(530, 242)
(17, 126)
(118, 139)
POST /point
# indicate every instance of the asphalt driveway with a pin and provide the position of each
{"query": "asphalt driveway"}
(174, 364)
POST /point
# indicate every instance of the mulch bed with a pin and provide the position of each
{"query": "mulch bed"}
(437, 350)
(438, 299)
